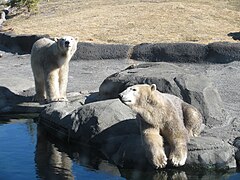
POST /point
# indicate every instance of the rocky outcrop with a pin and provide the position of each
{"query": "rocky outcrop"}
(113, 128)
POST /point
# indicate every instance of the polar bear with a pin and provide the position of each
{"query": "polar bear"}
(50, 66)
(163, 117)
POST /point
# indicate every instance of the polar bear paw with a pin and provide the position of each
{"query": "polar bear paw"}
(178, 158)
(159, 161)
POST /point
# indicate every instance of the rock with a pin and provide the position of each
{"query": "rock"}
(112, 127)
(223, 52)
(169, 52)
(86, 122)
(209, 152)
(237, 145)
(92, 51)
(196, 89)
(11, 103)
(219, 52)
(18, 44)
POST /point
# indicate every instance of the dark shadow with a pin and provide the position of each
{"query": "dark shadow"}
(13, 105)
(93, 97)
(234, 35)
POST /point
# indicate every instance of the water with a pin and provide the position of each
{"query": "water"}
(27, 151)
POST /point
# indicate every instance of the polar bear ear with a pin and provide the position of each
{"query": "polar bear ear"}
(76, 39)
(56, 39)
(153, 87)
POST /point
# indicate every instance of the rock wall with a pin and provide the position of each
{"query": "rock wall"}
(219, 52)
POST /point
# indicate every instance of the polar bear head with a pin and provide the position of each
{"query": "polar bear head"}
(67, 44)
(137, 95)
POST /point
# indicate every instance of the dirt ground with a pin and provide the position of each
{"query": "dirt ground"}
(133, 21)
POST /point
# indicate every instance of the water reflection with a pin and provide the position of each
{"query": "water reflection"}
(50, 163)
(55, 159)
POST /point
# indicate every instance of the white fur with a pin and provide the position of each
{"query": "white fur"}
(50, 66)
(130, 95)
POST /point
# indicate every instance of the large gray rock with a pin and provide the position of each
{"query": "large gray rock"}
(210, 152)
(194, 88)
(112, 127)
(85, 122)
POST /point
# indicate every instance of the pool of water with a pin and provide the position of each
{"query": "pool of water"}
(27, 151)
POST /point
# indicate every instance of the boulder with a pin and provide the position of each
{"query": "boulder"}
(12, 103)
(112, 127)
(85, 122)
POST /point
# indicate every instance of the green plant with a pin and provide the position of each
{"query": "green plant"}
(31, 5)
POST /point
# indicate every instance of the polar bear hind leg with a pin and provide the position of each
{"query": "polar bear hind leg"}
(192, 120)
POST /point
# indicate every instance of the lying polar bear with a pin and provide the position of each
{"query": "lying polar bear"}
(163, 116)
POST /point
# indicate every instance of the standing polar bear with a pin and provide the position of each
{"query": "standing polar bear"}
(163, 116)
(50, 66)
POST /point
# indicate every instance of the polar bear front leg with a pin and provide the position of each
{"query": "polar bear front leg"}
(52, 85)
(40, 89)
(153, 144)
(178, 155)
(178, 143)
(63, 80)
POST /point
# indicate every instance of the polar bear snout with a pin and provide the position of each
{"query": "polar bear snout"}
(67, 43)
(124, 98)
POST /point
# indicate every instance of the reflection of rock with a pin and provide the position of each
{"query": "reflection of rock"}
(55, 161)
(50, 163)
